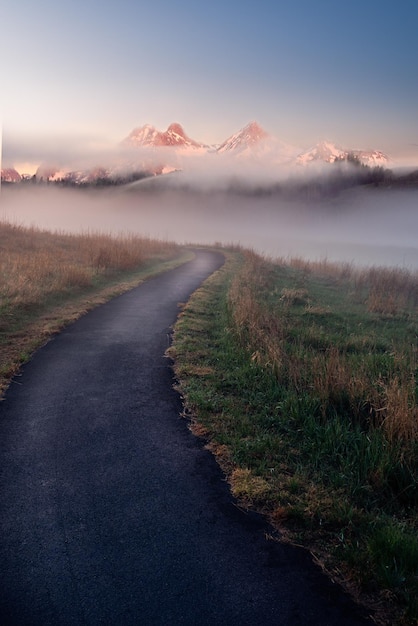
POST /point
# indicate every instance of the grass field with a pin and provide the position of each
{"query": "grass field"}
(49, 279)
(303, 378)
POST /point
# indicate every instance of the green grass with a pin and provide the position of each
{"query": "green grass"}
(309, 399)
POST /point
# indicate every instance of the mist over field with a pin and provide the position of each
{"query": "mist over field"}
(367, 226)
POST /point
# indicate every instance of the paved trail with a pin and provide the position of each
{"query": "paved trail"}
(111, 511)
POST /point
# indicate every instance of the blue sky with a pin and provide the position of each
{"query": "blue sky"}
(89, 71)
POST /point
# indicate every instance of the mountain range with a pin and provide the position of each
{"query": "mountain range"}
(174, 137)
(328, 152)
(251, 140)
(155, 152)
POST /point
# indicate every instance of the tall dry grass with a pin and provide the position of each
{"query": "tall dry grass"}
(385, 290)
(389, 290)
(49, 279)
(36, 264)
(258, 330)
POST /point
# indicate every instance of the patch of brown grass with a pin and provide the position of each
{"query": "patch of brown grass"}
(35, 264)
(48, 279)
(294, 296)
(400, 411)
(388, 291)
(247, 487)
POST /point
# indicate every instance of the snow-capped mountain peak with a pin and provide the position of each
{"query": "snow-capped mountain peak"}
(244, 139)
(323, 151)
(328, 152)
(149, 136)
(372, 158)
(144, 135)
(10, 175)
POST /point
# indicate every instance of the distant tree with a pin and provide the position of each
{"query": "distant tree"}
(354, 160)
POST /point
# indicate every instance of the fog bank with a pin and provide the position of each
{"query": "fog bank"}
(369, 226)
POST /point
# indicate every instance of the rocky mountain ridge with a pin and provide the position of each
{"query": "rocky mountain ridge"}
(328, 152)
(174, 136)
(154, 152)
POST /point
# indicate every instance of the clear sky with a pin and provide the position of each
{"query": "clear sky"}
(91, 70)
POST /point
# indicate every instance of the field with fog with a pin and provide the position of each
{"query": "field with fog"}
(303, 376)
(369, 225)
(297, 360)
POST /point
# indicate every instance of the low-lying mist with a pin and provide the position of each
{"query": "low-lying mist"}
(366, 226)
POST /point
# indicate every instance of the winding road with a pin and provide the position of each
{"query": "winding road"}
(112, 512)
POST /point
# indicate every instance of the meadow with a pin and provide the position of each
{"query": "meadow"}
(48, 279)
(302, 376)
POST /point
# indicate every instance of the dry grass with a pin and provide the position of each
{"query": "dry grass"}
(400, 411)
(35, 264)
(260, 331)
(49, 279)
(248, 488)
(294, 296)
(386, 290)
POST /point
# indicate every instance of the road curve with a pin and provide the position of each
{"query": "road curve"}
(111, 511)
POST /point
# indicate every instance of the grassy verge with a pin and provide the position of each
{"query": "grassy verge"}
(49, 279)
(303, 378)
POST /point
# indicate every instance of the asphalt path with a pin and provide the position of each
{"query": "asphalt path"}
(112, 511)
